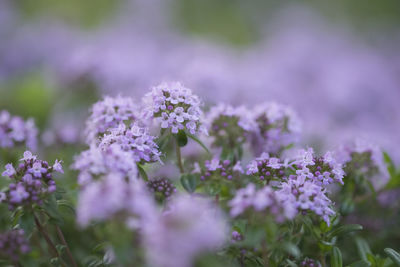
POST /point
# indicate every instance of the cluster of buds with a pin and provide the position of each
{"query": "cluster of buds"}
(219, 168)
(236, 236)
(32, 181)
(267, 168)
(13, 244)
(162, 188)
(229, 126)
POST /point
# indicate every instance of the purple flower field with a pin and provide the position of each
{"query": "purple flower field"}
(179, 133)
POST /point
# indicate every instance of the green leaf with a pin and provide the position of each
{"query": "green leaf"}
(345, 229)
(181, 138)
(363, 248)
(336, 258)
(189, 182)
(292, 249)
(361, 263)
(142, 172)
(51, 209)
(194, 138)
(393, 255)
(26, 221)
(163, 140)
(390, 165)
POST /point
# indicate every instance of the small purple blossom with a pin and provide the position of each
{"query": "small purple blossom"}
(14, 130)
(13, 244)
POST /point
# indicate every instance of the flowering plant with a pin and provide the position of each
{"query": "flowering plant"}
(162, 183)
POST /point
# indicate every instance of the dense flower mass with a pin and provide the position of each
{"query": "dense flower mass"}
(278, 126)
(135, 140)
(174, 107)
(96, 162)
(229, 125)
(304, 195)
(14, 130)
(32, 181)
(189, 227)
(109, 113)
(13, 244)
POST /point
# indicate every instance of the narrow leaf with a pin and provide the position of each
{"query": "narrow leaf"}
(189, 182)
(345, 229)
(142, 172)
(181, 138)
(363, 248)
(393, 255)
(336, 258)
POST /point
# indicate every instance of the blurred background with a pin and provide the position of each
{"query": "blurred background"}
(337, 63)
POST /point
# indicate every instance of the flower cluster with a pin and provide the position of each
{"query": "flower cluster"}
(95, 162)
(267, 168)
(305, 195)
(32, 181)
(174, 106)
(362, 158)
(14, 130)
(264, 199)
(162, 188)
(170, 239)
(220, 168)
(134, 140)
(236, 236)
(229, 126)
(112, 195)
(322, 170)
(13, 244)
(109, 113)
(277, 127)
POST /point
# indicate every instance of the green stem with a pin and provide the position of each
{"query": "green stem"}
(179, 158)
(62, 238)
(51, 245)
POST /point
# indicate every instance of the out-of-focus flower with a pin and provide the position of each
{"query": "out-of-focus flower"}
(189, 227)
(229, 126)
(278, 126)
(265, 200)
(111, 195)
(220, 168)
(363, 158)
(309, 263)
(32, 181)
(96, 162)
(109, 113)
(174, 106)
(14, 130)
(13, 244)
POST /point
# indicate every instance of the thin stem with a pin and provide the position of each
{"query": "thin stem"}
(179, 158)
(62, 238)
(46, 237)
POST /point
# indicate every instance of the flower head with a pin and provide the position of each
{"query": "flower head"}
(175, 107)
(13, 244)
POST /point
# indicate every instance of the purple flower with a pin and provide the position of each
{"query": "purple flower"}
(18, 194)
(37, 170)
(57, 166)
(13, 244)
(10, 171)
(14, 130)
(189, 227)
